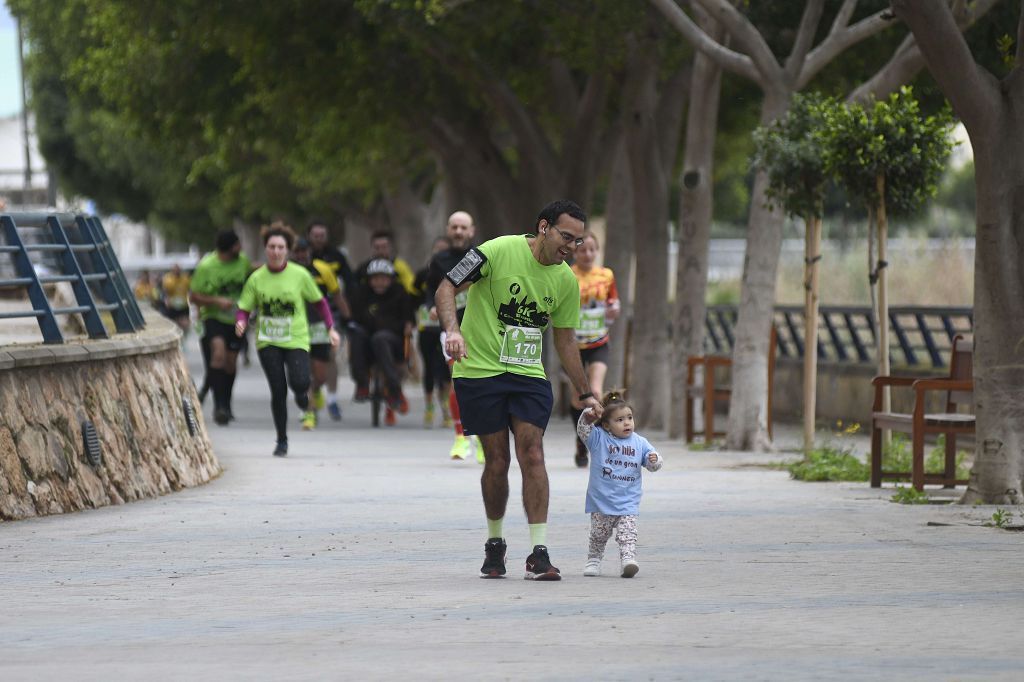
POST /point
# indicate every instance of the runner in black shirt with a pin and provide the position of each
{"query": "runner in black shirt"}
(322, 250)
(460, 231)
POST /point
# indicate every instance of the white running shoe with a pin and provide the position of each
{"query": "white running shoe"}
(630, 568)
(592, 567)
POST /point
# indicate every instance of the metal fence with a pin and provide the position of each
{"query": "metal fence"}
(50, 248)
(921, 336)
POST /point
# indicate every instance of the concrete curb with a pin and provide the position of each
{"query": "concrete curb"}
(160, 335)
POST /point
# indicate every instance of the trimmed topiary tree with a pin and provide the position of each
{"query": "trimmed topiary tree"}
(890, 157)
(791, 152)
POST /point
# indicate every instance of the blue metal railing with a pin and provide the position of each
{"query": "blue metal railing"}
(921, 335)
(56, 240)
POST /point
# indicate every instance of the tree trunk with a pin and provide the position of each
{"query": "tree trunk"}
(650, 210)
(993, 113)
(407, 216)
(748, 425)
(883, 294)
(696, 184)
(812, 255)
(998, 473)
(618, 249)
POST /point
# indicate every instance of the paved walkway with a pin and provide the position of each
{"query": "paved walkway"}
(356, 557)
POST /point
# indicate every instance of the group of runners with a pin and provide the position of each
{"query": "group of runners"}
(481, 312)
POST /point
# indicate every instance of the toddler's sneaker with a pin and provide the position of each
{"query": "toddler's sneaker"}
(592, 567)
(494, 559)
(538, 565)
(629, 568)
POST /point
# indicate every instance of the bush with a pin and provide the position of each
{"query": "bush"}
(830, 463)
(908, 495)
(897, 457)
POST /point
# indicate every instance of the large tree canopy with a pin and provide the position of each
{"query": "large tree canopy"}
(285, 107)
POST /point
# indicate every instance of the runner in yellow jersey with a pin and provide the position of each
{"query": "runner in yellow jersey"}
(599, 307)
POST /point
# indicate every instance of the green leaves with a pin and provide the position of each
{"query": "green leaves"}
(790, 150)
(893, 139)
(822, 139)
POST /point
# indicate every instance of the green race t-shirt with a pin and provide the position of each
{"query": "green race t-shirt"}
(214, 277)
(510, 306)
(279, 299)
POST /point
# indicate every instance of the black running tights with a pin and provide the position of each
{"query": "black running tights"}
(275, 361)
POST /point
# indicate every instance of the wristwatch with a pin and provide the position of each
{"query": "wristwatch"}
(584, 396)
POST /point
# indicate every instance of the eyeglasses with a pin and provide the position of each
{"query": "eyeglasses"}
(570, 238)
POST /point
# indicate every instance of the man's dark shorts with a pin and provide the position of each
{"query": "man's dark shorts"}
(214, 328)
(599, 354)
(321, 351)
(486, 405)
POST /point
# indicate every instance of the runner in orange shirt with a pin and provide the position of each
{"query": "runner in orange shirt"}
(599, 306)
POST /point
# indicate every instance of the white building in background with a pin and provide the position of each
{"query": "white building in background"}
(138, 246)
(24, 181)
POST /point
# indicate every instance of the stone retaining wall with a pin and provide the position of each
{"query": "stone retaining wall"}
(131, 388)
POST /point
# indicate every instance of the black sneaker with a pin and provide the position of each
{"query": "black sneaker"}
(222, 416)
(538, 565)
(494, 563)
(282, 449)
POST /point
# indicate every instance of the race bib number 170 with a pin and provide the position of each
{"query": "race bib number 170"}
(521, 346)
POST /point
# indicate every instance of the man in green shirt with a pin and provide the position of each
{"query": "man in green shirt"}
(518, 285)
(216, 285)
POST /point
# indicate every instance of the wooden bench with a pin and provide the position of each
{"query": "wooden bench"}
(959, 388)
(713, 391)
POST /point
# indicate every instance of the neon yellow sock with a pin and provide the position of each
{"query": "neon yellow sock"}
(538, 534)
(494, 528)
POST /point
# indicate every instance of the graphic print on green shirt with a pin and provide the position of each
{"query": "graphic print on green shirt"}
(279, 299)
(214, 277)
(510, 306)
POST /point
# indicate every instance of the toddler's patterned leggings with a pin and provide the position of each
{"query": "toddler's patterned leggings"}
(601, 526)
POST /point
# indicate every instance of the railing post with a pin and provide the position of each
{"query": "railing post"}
(109, 287)
(837, 341)
(93, 322)
(121, 281)
(901, 335)
(858, 345)
(710, 326)
(780, 341)
(929, 342)
(793, 334)
(726, 328)
(47, 322)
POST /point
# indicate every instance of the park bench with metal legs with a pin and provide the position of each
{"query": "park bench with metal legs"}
(711, 391)
(959, 387)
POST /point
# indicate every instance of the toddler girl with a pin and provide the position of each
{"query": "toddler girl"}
(613, 495)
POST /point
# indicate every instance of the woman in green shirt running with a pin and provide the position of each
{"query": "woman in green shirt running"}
(279, 292)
